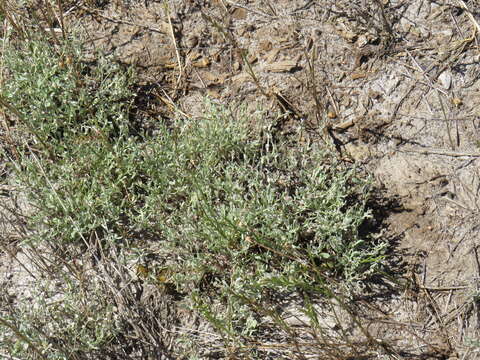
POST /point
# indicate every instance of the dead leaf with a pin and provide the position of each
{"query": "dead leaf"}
(264, 45)
(239, 14)
(170, 65)
(241, 78)
(332, 115)
(194, 55)
(213, 93)
(281, 39)
(271, 55)
(457, 102)
(344, 125)
(358, 75)
(210, 77)
(281, 66)
(349, 36)
(252, 58)
(203, 62)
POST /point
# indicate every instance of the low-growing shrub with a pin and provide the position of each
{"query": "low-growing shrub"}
(233, 218)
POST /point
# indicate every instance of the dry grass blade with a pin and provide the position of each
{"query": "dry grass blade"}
(447, 122)
(61, 19)
(177, 52)
(386, 23)
(164, 29)
(9, 14)
(253, 11)
(171, 228)
(476, 26)
(441, 152)
(21, 118)
(243, 53)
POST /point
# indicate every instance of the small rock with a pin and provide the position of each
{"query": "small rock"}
(445, 79)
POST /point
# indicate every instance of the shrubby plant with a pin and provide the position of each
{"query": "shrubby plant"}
(235, 216)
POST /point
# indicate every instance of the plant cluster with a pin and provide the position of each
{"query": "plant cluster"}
(233, 216)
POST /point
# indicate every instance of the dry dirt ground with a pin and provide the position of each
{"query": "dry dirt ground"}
(391, 86)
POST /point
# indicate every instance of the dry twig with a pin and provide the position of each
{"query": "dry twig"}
(174, 41)
(441, 152)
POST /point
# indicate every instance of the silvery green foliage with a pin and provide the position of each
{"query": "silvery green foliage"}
(240, 218)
